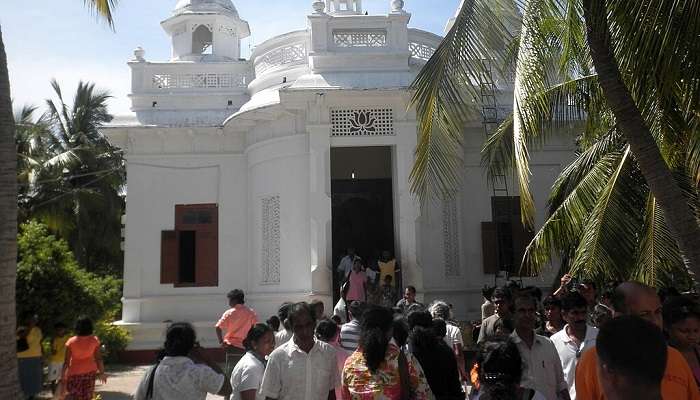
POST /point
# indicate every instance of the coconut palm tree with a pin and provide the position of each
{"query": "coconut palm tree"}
(9, 387)
(567, 59)
(71, 176)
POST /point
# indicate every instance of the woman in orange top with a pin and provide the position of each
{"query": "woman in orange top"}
(83, 363)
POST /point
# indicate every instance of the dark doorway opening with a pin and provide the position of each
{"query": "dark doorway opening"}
(188, 257)
(362, 205)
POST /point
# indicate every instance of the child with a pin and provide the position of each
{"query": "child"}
(388, 292)
(58, 354)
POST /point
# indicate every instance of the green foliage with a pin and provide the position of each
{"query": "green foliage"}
(70, 176)
(113, 338)
(51, 284)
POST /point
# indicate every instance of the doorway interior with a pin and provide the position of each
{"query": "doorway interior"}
(362, 208)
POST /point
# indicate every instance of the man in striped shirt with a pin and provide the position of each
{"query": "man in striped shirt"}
(350, 332)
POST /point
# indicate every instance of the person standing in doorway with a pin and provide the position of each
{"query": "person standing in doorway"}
(346, 264)
(303, 368)
(233, 328)
(358, 283)
(387, 266)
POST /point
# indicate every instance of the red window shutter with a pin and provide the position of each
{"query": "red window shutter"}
(489, 247)
(169, 256)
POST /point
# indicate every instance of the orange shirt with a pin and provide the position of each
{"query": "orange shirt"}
(678, 382)
(236, 322)
(82, 355)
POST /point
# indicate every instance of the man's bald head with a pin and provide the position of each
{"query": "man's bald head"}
(635, 298)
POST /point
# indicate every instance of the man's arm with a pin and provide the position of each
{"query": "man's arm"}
(200, 357)
(220, 335)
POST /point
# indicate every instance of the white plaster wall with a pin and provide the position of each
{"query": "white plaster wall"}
(156, 185)
(280, 167)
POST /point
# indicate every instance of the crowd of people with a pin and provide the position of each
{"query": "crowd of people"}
(627, 342)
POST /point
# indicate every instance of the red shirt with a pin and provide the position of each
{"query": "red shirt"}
(82, 355)
(236, 322)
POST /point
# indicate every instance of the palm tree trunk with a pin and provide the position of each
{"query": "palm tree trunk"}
(9, 384)
(658, 176)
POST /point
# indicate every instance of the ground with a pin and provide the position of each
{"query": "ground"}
(121, 383)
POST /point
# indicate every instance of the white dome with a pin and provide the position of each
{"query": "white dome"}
(205, 5)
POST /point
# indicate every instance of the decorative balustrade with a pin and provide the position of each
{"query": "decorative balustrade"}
(421, 51)
(351, 39)
(291, 54)
(165, 81)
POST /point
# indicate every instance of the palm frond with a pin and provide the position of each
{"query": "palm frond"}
(446, 92)
(103, 8)
(564, 227)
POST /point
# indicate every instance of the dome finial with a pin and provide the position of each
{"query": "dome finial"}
(319, 6)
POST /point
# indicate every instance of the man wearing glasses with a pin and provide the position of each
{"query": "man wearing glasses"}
(576, 337)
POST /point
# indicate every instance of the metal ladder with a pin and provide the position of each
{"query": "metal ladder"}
(490, 121)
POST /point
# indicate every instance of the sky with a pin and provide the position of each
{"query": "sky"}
(60, 39)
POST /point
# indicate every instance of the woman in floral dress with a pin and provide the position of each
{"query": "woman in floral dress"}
(83, 363)
(379, 369)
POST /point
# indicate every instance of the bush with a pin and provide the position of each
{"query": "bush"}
(51, 284)
(113, 338)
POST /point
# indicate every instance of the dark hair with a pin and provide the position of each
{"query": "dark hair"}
(83, 326)
(59, 325)
(487, 292)
(316, 304)
(678, 309)
(336, 319)
(301, 307)
(254, 334)
(422, 335)
(667, 293)
(274, 323)
(237, 296)
(326, 330)
(572, 300)
(283, 314)
(525, 297)
(376, 324)
(356, 309)
(401, 329)
(500, 368)
(501, 292)
(590, 282)
(621, 355)
(180, 338)
(411, 288)
(551, 301)
(439, 328)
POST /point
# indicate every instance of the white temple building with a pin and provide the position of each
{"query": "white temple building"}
(256, 174)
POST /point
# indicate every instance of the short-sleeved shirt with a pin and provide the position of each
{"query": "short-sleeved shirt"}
(282, 337)
(358, 284)
(678, 382)
(570, 353)
(293, 374)
(542, 369)
(34, 342)
(340, 310)
(247, 375)
(453, 337)
(360, 384)
(181, 378)
(345, 265)
(350, 335)
(387, 268)
(236, 322)
(404, 305)
(82, 355)
(58, 348)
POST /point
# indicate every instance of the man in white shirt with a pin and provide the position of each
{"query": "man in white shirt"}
(542, 369)
(345, 265)
(575, 338)
(303, 368)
